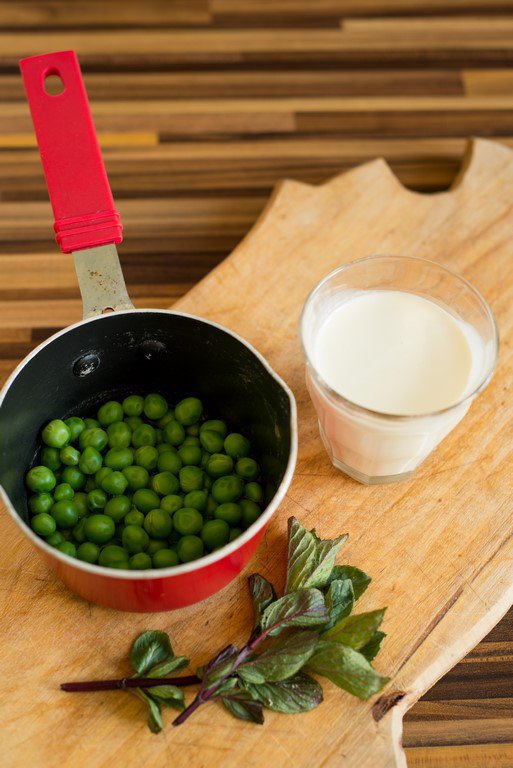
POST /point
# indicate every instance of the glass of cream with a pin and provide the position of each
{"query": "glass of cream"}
(396, 349)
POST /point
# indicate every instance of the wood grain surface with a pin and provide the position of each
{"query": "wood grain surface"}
(201, 107)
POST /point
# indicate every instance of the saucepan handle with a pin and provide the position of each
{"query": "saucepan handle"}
(83, 207)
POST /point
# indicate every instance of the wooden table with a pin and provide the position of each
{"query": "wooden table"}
(201, 106)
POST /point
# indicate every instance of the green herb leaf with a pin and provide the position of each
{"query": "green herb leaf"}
(154, 720)
(360, 579)
(227, 685)
(299, 693)
(371, 649)
(149, 649)
(346, 668)
(221, 665)
(242, 706)
(280, 660)
(339, 601)
(166, 667)
(357, 630)
(310, 559)
(168, 695)
(325, 553)
(302, 608)
(262, 594)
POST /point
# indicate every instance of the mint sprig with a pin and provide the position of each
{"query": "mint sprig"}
(309, 630)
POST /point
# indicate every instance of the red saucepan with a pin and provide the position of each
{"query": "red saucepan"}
(125, 351)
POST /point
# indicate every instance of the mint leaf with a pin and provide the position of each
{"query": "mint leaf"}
(166, 667)
(168, 695)
(357, 630)
(149, 649)
(359, 579)
(262, 594)
(370, 650)
(154, 720)
(346, 668)
(220, 665)
(301, 555)
(280, 660)
(302, 608)
(299, 693)
(339, 601)
(241, 705)
(326, 551)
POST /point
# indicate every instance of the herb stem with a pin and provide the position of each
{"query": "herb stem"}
(129, 682)
(187, 712)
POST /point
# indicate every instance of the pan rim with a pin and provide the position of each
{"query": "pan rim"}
(202, 562)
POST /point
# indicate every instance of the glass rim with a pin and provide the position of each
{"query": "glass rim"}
(399, 416)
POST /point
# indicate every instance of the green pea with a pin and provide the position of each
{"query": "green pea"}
(136, 477)
(190, 548)
(140, 562)
(155, 545)
(215, 533)
(43, 524)
(158, 524)
(133, 405)
(196, 500)
(69, 456)
(90, 461)
(65, 513)
(236, 445)
(169, 462)
(188, 411)
(93, 438)
(40, 479)
(171, 503)
(248, 469)
(165, 448)
(174, 433)
(165, 558)
(110, 412)
(80, 501)
(254, 492)
(133, 422)
(88, 552)
(191, 479)
(211, 440)
(205, 456)
(50, 457)
(76, 426)
(96, 499)
(119, 434)
(113, 556)
(117, 508)
(56, 434)
(235, 533)
(158, 437)
(193, 430)
(216, 426)
(146, 456)
(68, 548)
(74, 477)
(118, 458)
(144, 435)
(211, 506)
(135, 539)
(134, 517)
(219, 465)
(102, 474)
(165, 483)
(207, 482)
(250, 512)
(229, 512)
(54, 539)
(145, 500)
(115, 484)
(155, 407)
(190, 455)
(99, 528)
(79, 532)
(227, 488)
(191, 440)
(90, 485)
(63, 491)
(40, 502)
(90, 423)
(187, 521)
(168, 416)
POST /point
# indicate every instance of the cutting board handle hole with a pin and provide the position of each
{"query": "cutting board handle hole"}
(54, 84)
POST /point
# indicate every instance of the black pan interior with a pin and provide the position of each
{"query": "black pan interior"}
(141, 352)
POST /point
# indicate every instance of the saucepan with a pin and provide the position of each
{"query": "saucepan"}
(116, 350)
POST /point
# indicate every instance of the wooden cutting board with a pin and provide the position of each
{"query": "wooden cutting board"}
(439, 547)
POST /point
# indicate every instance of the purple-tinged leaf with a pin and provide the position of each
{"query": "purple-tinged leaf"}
(304, 608)
(280, 660)
(299, 693)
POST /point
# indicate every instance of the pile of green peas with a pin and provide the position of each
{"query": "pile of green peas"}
(143, 485)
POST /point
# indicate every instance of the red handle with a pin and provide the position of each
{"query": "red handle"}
(79, 189)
